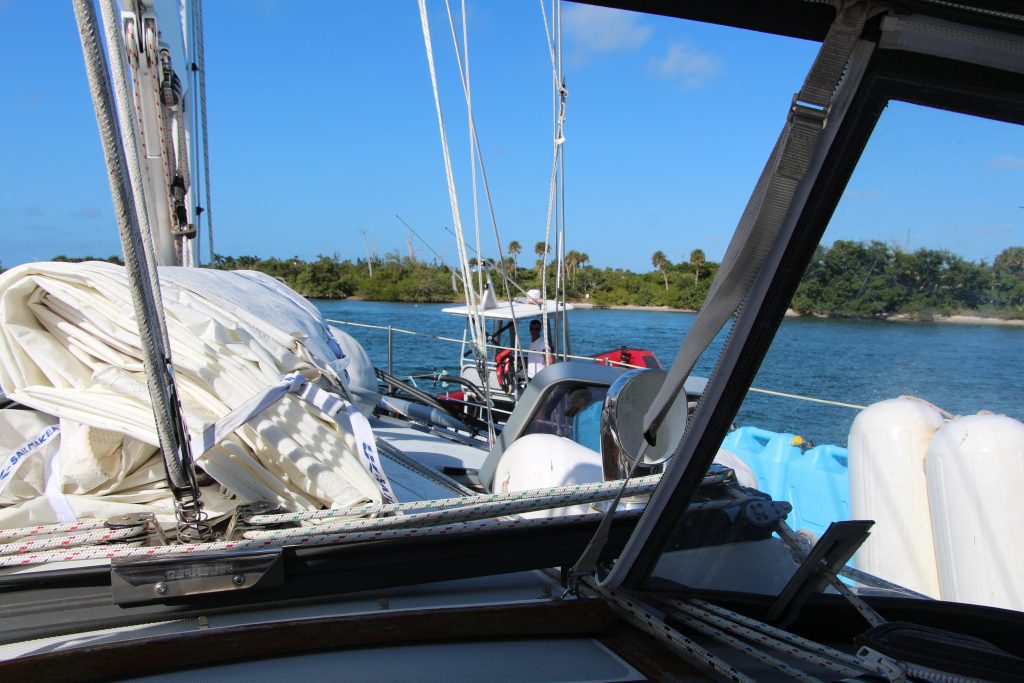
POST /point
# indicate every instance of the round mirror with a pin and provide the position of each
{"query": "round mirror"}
(622, 423)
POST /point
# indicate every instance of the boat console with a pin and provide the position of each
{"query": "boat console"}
(564, 399)
(595, 406)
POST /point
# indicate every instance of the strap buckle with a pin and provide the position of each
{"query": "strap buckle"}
(808, 112)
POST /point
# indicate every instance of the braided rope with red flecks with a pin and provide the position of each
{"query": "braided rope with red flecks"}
(114, 551)
(70, 540)
(10, 535)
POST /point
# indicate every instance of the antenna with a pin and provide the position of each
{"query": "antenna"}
(468, 245)
(432, 250)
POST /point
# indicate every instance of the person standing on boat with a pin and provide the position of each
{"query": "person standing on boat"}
(539, 355)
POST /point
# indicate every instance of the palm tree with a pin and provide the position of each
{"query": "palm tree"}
(541, 250)
(661, 262)
(572, 261)
(697, 259)
(514, 250)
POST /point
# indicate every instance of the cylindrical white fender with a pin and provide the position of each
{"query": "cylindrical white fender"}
(975, 467)
(887, 446)
(538, 461)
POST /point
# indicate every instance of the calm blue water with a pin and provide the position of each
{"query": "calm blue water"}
(961, 368)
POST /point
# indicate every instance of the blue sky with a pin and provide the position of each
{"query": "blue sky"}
(322, 125)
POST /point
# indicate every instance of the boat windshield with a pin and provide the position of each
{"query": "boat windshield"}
(887, 392)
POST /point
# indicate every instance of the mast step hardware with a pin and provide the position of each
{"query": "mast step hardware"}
(240, 519)
(189, 231)
(149, 529)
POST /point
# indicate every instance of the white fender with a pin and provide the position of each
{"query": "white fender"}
(744, 475)
(538, 461)
(975, 467)
(887, 446)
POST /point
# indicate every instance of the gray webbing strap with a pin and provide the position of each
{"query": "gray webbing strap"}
(755, 235)
(766, 210)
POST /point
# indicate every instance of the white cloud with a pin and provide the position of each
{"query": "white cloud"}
(1008, 161)
(592, 31)
(687, 65)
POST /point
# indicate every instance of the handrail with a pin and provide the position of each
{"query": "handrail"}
(768, 392)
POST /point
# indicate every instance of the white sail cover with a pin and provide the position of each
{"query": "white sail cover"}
(69, 349)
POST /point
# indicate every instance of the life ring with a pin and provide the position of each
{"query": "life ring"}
(507, 364)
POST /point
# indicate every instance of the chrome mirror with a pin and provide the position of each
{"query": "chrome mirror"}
(622, 425)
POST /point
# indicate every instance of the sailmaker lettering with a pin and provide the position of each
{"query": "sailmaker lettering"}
(27, 448)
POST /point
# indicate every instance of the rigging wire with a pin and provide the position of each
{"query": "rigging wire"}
(477, 148)
(200, 60)
(426, 243)
(474, 316)
(463, 63)
(561, 164)
(449, 174)
(194, 98)
(475, 142)
(170, 422)
(559, 94)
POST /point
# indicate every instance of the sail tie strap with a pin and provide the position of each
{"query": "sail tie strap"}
(327, 403)
(54, 495)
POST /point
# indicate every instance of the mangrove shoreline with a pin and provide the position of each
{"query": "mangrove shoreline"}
(849, 280)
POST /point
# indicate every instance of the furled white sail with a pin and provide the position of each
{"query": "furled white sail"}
(69, 349)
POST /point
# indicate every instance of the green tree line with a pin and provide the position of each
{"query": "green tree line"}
(400, 278)
(848, 279)
(874, 280)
